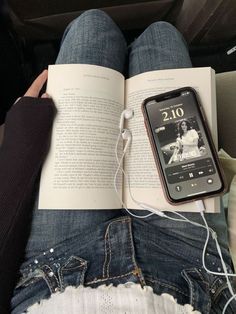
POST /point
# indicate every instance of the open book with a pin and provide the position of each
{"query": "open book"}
(80, 167)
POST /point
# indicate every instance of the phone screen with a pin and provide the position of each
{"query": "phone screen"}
(185, 152)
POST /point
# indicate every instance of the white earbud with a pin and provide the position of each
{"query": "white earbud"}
(126, 114)
(127, 136)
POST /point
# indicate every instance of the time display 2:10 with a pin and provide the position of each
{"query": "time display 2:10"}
(172, 114)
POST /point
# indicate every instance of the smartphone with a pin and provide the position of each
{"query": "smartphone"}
(182, 145)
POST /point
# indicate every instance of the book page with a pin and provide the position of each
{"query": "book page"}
(79, 170)
(139, 163)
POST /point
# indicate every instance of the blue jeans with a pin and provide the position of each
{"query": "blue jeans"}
(108, 246)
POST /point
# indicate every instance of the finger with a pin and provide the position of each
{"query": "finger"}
(36, 86)
(45, 95)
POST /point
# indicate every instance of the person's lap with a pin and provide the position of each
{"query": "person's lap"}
(93, 38)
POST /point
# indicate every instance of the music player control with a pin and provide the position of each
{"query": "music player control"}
(190, 171)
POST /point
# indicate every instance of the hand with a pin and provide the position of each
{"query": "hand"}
(37, 85)
(33, 91)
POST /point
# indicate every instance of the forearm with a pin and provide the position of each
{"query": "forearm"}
(15, 218)
(25, 144)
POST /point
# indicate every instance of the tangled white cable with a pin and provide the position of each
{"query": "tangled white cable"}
(126, 135)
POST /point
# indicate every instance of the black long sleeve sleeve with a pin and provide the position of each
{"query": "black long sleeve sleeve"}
(25, 144)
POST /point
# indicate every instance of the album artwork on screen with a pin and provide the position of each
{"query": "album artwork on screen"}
(172, 141)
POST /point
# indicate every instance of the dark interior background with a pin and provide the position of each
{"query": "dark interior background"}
(30, 33)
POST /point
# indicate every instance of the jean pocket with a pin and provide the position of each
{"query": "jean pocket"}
(208, 293)
(199, 289)
(220, 296)
(42, 279)
(72, 272)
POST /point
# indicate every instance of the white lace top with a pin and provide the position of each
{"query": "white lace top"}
(129, 298)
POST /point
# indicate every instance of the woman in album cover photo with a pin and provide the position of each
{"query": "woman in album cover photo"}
(188, 141)
(181, 141)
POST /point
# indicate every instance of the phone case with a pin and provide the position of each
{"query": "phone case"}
(168, 95)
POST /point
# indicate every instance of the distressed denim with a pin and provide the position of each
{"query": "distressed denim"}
(154, 252)
(108, 246)
(169, 254)
(100, 255)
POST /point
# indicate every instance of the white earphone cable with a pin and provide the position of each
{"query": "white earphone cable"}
(119, 162)
(225, 273)
(201, 209)
(142, 205)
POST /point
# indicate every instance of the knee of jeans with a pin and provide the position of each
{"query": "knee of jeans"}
(164, 26)
(160, 30)
(91, 17)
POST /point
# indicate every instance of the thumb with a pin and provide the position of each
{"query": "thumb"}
(37, 85)
(45, 95)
